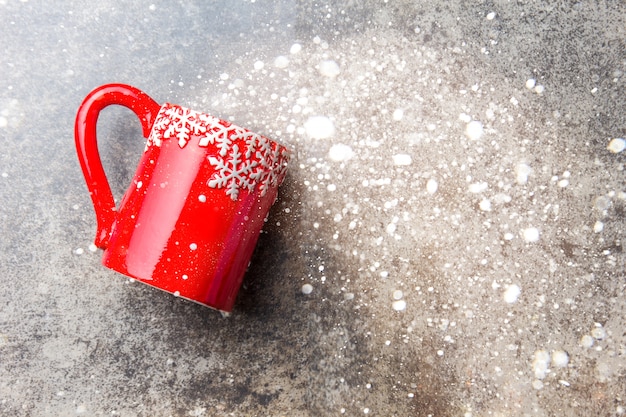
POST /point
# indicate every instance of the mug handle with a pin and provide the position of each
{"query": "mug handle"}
(87, 148)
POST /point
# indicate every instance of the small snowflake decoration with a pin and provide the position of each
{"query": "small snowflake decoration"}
(233, 173)
(242, 159)
(179, 122)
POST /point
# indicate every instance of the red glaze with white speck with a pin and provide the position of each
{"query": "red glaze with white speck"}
(190, 220)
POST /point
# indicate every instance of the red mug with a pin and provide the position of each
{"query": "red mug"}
(191, 218)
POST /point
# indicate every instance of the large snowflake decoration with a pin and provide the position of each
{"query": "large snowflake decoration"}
(233, 173)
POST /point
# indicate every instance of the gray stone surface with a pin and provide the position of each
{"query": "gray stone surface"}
(461, 225)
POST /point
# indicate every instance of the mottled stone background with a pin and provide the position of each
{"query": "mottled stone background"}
(455, 208)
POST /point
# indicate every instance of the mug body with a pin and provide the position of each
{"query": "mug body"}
(191, 218)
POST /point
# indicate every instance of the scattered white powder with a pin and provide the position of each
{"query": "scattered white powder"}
(522, 171)
(586, 341)
(616, 145)
(340, 152)
(474, 130)
(397, 294)
(598, 226)
(307, 289)
(531, 234)
(193, 246)
(431, 186)
(485, 204)
(329, 69)
(530, 83)
(259, 65)
(512, 293)
(398, 114)
(319, 127)
(560, 358)
(202, 198)
(491, 15)
(295, 48)
(478, 187)
(281, 62)
(399, 305)
(402, 159)
(541, 362)
(598, 332)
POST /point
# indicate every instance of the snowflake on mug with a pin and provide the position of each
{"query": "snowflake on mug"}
(241, 159)
(219, 133)
(273, 164)
(178, 122)
(233, 173)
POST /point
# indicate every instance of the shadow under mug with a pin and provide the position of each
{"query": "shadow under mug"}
(190, 220)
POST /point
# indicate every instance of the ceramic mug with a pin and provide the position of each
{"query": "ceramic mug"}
(190, 220)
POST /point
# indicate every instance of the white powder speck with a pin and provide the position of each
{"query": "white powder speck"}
(508, 236)
(530, 83)
(92, 247)
(564, 383)
(522, 171)
(340, 152)
(402, 159)
(616, 145)
(399, 305)
(431, 186)
(560, 358)
(258, 65)
(79, 251)
(295, 48)
(485, 205)
(541, 362)
(440, 353)
(537, 384)
(329, 68)
(185, 277)
(478, 187)
(331, 187)
(598, 226)
(193, 246)
(539, 89)
(176, 293)
(512, 293)
(139, 185)
(307, 289)
(152, 7)
(598, 333)
(491, 15)
(281, 62)
(474, 130)
(202, 198)
(319, 127)
(563, 183)
(366, 411)
(531, 234)
(586, 341)
(398, 114)
(391, 228)
(397, 294)
(5, 175)
(3, 121)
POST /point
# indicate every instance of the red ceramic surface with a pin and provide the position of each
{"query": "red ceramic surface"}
(190, 220)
